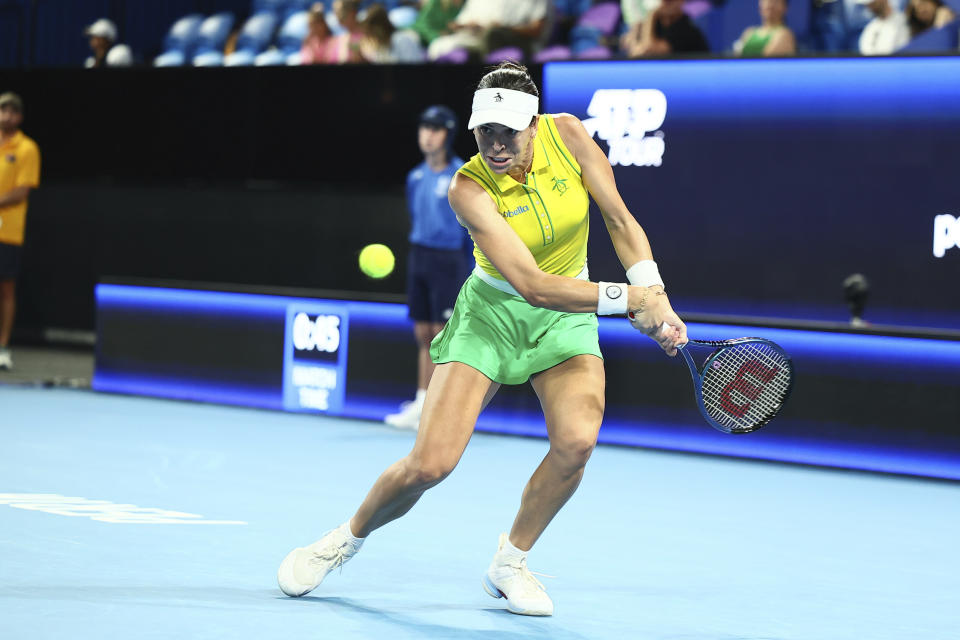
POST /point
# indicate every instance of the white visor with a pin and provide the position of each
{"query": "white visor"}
(514, 109)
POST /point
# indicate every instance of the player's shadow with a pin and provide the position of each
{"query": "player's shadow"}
(532, 627)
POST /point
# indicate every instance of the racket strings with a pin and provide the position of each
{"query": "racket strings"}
(745, 385)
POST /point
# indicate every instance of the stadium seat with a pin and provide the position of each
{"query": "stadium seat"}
(211, 38)
(598, 22)
(292, 32)
(402, 17)
(943, 40)
(506, 53)
(553, 53)
(268, 6)
(603, 17)
(179, 41)
(253, 39)
(595, 53)
(271, 58)
(457, 56)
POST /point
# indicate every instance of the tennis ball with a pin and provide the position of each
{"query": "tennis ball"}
(376, 260)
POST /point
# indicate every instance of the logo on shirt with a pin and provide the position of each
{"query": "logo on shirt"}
(521, 209)
(623, 118)
(498, 97)
(559, 185)
(11, 158)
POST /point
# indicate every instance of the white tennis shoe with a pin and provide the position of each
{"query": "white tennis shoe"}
(304, 568)
(511, 579)
(6, 360)
(408, 417)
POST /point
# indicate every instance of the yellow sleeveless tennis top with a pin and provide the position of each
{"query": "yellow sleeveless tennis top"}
(549, 211)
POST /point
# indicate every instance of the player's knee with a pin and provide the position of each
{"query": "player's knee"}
(574, 451)
(423, 473)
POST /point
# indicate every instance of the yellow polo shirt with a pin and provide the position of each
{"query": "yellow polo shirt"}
(19, 167)
(549, 210)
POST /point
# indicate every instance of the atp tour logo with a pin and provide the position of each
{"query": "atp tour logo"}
(946, 234)
(623, 118)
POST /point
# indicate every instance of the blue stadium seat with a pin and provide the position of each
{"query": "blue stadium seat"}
(257, 32)
(293, 31)
(179, 41)
(939, 40)
(183, 34)
(402, 17)
(211, 38)
(272, 6)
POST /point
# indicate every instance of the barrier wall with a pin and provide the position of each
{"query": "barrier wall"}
(860, 401)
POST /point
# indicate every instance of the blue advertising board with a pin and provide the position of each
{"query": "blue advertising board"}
(764, 183)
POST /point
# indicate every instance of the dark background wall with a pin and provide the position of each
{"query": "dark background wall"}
(272, 177)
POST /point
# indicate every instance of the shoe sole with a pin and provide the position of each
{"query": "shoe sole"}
(494, 592)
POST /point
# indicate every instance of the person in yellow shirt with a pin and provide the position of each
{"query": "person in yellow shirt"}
(19, 172)
(528, 312)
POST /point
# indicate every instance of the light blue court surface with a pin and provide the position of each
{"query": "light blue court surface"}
(653, 546)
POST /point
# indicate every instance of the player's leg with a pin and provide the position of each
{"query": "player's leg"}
(572, 397)
(456, 396)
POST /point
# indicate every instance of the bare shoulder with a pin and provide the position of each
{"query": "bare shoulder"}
(568, 125)
(468, 199)
(571, 131)
(463, 188)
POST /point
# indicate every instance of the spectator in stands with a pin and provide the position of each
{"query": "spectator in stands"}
(383, 44)
(106, 53)
(886, 33)
(485, 25)
(772, 37)
(927, 14)
(667, 30)
(346, 12)
(434, 19)
(19, 172)
(320, 46)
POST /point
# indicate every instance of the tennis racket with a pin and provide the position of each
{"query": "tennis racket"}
(742, 384)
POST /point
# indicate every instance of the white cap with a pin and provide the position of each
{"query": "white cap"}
(103, 28)
(508, 107)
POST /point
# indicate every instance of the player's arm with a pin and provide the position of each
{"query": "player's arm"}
(504, 248)
(629, 240)
(14, 196)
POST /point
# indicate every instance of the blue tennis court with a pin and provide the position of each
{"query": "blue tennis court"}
(125, 517)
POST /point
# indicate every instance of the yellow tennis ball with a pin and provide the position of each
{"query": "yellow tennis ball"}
(376, 260)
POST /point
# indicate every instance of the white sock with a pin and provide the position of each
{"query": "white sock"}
(348, 534)
(510, 553)
(421, 396)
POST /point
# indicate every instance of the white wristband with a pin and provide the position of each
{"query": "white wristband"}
(645, 274)
(612, 298)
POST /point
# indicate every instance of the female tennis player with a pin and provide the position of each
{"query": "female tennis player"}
(528, 311)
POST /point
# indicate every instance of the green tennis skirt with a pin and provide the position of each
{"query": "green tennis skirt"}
(508, 340)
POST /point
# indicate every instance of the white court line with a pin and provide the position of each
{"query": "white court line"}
(103, 510)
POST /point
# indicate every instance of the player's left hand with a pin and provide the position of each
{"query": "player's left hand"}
(659, 321)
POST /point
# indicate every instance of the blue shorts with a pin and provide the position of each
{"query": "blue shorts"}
(9, 260)
(434, 278)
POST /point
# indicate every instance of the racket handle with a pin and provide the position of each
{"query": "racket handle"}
(666, 327)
